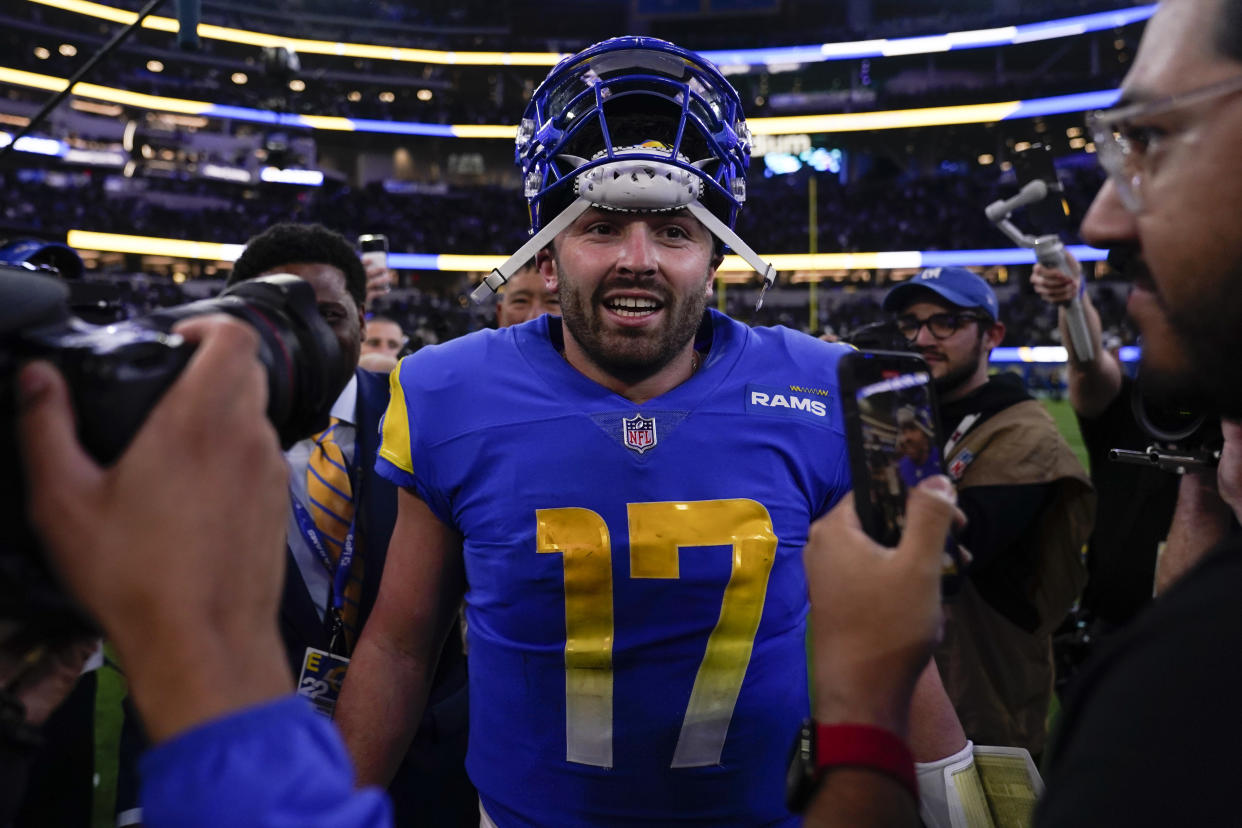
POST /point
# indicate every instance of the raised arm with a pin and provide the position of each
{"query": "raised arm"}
(875, 616)
(390, 674)
(1095, 384)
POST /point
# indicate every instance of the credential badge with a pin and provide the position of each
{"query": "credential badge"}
(639, 433)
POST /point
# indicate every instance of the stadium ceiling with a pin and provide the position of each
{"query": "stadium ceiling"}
(811, 53)
(786, 125)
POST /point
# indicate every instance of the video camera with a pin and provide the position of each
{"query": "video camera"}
(117, 373)
(1184, 438)
(878, 336)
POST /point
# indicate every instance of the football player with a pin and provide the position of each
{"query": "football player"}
(621, 494)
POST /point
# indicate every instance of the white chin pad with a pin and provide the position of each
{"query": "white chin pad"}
(638, 184)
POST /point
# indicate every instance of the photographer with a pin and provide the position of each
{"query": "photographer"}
(1135, 503)
(184, 572)
(1149, 733)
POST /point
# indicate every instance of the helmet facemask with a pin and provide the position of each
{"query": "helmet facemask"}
(636, 125)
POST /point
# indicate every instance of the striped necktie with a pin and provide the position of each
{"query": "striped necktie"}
(330, 492)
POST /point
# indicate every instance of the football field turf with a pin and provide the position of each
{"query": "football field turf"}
(1067, 424)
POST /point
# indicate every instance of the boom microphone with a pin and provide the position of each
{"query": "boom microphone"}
(188, 14)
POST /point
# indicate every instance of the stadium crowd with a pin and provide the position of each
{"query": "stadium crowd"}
(535, 494)
(876, 212)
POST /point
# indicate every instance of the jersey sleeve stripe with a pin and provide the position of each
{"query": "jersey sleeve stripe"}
(395, 441)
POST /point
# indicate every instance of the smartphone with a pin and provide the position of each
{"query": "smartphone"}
(1036, 163)
(374, 249)
(893, 435)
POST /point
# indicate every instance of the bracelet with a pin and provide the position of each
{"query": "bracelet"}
(865, 746)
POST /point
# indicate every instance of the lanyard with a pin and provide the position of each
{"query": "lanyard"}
(340, 569)
(964, 426)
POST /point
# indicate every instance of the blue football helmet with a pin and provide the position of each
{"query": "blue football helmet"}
(632, 124)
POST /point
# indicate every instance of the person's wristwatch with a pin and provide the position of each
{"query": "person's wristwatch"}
(819, 748)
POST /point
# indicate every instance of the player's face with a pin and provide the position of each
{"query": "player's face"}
(633, 287)
(959, 361)
(525, 297)
(914, 443)
(383, 337)
(1186, 229)
(336, 307)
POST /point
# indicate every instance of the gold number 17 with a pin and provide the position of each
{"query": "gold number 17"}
(657, 532)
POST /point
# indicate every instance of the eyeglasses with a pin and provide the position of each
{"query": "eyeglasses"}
(941, 325)
(1124, 147)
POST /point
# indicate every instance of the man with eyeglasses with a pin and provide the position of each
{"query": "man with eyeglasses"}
(1028, 504)
(1150, 730)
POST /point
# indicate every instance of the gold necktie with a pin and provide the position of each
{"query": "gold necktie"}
(331, 496)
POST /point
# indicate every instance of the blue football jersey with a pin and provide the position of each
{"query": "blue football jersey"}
(636, 598)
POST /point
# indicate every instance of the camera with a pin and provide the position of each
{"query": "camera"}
(116, 373)
(1184, 436)
(877, 336)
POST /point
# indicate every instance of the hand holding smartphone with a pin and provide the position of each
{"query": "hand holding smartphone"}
(893, 434)
(374, 255)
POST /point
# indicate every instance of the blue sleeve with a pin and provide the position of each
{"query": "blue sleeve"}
(278, 764)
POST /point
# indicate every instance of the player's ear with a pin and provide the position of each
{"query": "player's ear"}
(545, 261)
(717, 258)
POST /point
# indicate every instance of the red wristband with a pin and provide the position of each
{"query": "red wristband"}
(865, 746)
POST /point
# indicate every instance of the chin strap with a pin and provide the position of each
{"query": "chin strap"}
(492, 282)
(741, 248)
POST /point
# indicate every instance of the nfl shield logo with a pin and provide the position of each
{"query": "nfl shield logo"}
(639, 433)
(958, 467)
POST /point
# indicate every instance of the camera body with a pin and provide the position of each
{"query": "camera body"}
(117, 373)
(1185, 436)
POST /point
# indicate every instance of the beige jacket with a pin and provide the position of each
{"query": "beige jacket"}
(998, 675)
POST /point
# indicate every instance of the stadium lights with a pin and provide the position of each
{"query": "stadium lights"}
(33, 144)
(1051, 354)
(812, 53)
(148, 246)
(225, 173)
(94, 158)
(304, 46)
(106, 110)
(305, 178)
(793, 124)
(894, 260)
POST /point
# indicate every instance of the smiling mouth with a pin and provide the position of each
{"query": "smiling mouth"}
(632, 307)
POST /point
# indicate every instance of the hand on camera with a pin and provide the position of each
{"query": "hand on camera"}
(1229, 470)
(177, 549)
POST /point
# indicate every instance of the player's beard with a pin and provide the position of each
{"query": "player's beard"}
(630, 354)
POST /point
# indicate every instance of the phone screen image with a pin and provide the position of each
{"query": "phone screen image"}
(899, 446)
(888, 400)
